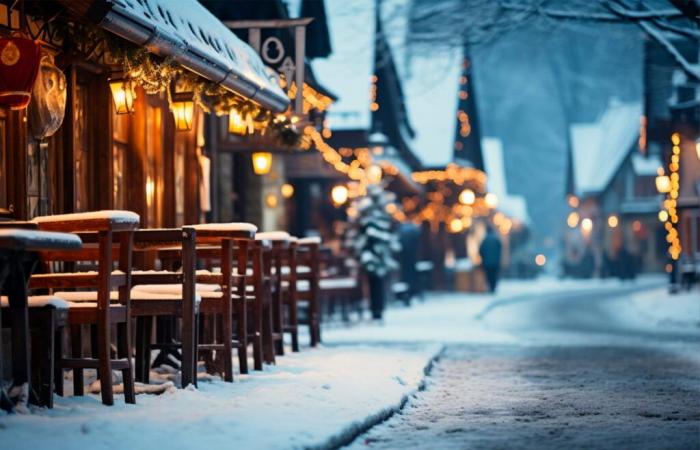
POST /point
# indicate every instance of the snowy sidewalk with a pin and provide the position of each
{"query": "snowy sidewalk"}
(310, 399)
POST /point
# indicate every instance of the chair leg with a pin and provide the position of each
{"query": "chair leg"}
(294, 323)
(140, 349)
(124, 351)
(242, 335)
(47, 361)
(76, 342)
(58, 355)
(227, 340)
(147, 334)
(104, 371)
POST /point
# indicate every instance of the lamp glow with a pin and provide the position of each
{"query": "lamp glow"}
(467, 197)
(374, 174)
(663, 184)
(491, 200)
(572, 219)
(262, 162)
(339, 194)
(612, 221)
(287, 190)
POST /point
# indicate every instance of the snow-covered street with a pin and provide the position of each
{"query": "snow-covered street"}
(547, 362)
(609, 368)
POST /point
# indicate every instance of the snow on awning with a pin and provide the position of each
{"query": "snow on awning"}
(514, 206)
(195, 38)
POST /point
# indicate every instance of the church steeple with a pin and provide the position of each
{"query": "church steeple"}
(467, 146)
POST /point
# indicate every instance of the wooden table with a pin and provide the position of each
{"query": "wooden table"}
(18, 257)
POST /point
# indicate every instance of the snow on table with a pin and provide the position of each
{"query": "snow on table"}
(308, 399)
(116, 216)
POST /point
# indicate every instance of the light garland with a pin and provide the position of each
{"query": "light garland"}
(671, 202)
(458, 175)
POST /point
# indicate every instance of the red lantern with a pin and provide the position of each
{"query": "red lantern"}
(19, 63)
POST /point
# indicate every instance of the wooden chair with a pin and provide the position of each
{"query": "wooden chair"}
(308, 291)
(282, 270)
(227, 244)
(114, 238)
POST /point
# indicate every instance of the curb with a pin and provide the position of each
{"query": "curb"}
(357, 429)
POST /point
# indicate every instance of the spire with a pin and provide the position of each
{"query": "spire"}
(467, 149)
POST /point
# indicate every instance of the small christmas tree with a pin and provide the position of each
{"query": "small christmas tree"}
(372, 237)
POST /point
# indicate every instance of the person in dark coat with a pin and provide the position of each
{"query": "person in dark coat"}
(490, 251)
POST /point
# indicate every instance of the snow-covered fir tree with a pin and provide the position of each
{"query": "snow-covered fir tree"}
(371, 233)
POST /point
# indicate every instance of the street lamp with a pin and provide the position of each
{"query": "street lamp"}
(182, 105)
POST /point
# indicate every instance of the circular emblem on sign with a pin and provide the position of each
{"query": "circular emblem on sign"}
(272, 50)
(10, 54)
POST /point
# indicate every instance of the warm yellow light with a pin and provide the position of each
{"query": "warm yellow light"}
(351, 212)
(663, 215)
(123, 94)
(271, 200)
(467, 197)
(663, 184)
(572, 219)
(287, 190)
(374, 174)
(339, 194)
(540, 260)
(456, 225)
(573, 201)
(262, 162)
(391, 208)
(697, 147)
(238, 123)
(612, 221)
(183, 112)
(637, 226)
(675, 138)
(586, 226)
(491, 200)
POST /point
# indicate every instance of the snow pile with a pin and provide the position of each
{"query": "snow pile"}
(310, 398)
(659, 308)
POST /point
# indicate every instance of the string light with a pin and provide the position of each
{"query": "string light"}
(671, 186)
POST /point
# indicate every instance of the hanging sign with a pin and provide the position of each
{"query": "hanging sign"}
(284, 52)
(19, 63)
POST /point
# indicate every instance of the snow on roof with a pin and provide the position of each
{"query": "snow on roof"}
(645, 165)
(348, 69)
(599, 148)
(192, 28)
(514, 206)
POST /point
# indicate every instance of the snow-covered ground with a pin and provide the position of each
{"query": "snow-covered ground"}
(323, 396)
(309, 399)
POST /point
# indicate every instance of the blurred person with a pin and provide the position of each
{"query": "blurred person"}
(490, 252)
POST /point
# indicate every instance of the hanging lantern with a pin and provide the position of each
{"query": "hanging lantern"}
(240, 123)
(19, 64)
(182, 105)
(262, 162)
(123, 94)
(48, 106)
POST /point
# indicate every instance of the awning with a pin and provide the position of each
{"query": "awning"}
(196, 39)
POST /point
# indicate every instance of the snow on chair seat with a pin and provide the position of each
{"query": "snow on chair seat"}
(117, 216)
(176, 288)
(309, 240)
(39, 301)
(31, 239)
(273, 236)
(230, 226)
(136, 295)
(329, 284)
